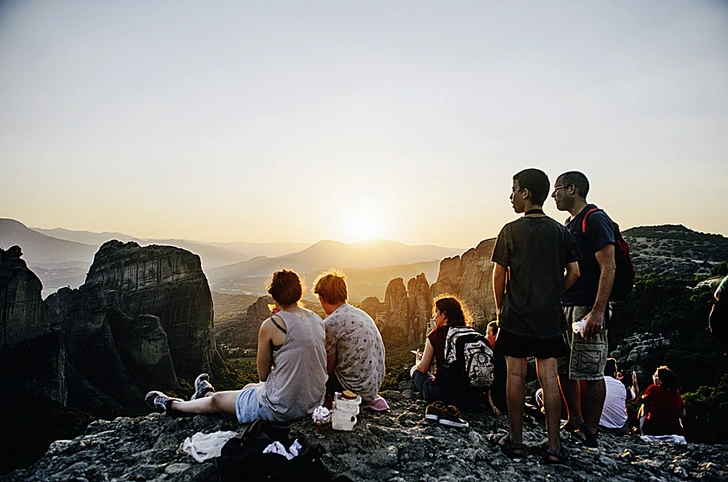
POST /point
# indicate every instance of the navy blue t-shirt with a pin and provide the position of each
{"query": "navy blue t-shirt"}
(599, 232)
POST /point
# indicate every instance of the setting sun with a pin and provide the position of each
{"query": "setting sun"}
(363, 221)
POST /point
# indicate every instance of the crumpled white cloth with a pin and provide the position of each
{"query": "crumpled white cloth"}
(676, 439)
(204, 446)
(278, 448)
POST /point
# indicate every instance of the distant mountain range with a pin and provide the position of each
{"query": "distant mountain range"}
(61, 257)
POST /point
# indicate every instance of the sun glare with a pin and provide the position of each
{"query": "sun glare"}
(362, 224)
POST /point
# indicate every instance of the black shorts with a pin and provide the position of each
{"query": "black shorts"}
(516, 346)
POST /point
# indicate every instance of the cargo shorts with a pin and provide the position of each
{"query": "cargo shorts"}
(587, 357)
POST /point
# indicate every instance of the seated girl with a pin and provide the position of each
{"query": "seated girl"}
(662, 406)
(291, 366)
(448, 313)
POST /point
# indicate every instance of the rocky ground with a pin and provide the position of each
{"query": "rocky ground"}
(398, 445)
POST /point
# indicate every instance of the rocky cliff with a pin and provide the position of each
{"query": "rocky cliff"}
(240, 332)
(470, 277)
(142, 318)
(398, 446)
(32, 356)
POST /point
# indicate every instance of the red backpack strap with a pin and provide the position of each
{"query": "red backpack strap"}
(583, 220)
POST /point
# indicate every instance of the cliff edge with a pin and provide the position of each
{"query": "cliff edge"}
(398, 445)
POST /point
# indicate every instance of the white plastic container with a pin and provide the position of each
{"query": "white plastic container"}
(342, 421)
(343, 415)
(345, 408)
(347, 404)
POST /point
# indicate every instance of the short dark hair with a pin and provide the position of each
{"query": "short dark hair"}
(452, 309)
(576, 179)
(493, 324)
(610, 367)
(537, 182)
(667, 377)
(331, 286)
(285, 287)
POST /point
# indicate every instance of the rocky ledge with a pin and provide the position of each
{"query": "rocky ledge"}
(398, 445)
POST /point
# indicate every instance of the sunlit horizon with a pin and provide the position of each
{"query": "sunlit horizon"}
(258, 122)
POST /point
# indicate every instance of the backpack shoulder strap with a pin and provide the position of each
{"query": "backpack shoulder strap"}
(583, 220)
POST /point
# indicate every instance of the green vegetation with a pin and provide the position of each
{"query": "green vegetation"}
(707, 413)
(678, 309)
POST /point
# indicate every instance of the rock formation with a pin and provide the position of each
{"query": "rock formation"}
(242, 332)
(397, 446)
(406, 310)
(32, 356)
(167, 282)
(419, 308)
(470, 278)
(142, 318)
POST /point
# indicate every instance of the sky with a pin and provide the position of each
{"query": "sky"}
(300, 121)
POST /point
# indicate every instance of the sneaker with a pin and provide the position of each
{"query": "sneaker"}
(202, 386)
(160, 401)
(450, 417)
(433, 411)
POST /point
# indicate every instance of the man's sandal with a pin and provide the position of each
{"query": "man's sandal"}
(510, 449)
(585, 436)
(554, 456)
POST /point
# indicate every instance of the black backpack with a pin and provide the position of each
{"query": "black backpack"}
(242, 457)
(468, 359)
(624, 273)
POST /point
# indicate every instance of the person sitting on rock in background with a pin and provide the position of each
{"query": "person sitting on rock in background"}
(614, 417)
(535, 260)
(662, 407)
(291, 366)
(448, 312)
(354, 347)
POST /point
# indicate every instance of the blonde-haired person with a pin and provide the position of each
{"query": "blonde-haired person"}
(291, 366)
(354, 347)
(448, 312)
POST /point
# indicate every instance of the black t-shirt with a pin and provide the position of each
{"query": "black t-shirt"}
(599, 232)
(536, 250)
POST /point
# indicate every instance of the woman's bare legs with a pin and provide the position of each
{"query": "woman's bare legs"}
(212, 402)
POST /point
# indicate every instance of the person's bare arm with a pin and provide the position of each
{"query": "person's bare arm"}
(499, 285)
(635, 387)
(572, 274)
(607, 267)
(425, 362)
(268, 336)
(330, 363)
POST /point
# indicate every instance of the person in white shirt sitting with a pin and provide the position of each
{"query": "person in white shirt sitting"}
(614, 412)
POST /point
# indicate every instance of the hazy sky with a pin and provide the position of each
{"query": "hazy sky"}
(301, 121)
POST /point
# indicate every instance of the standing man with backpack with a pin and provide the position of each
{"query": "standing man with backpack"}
(535, 262)
(587, 299)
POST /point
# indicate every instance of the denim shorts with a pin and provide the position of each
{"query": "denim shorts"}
(587, 357)
(248, 408)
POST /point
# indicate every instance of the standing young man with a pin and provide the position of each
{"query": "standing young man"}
(535, 261)
(587, 300)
